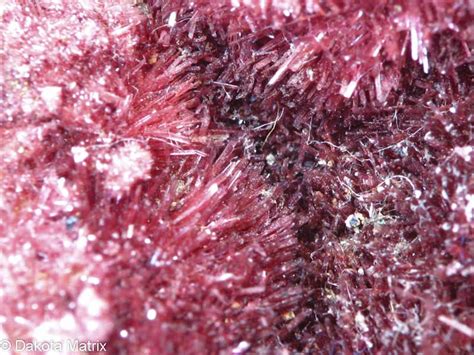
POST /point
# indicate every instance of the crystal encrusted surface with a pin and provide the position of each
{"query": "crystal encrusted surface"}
(238, 176)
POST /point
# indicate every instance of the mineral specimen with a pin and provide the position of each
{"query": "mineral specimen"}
(235, 176)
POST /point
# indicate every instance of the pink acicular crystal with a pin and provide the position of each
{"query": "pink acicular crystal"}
(238, 176)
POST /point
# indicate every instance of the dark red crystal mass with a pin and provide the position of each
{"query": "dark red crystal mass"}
(238, 176)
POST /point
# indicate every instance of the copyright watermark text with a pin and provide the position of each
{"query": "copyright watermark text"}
(69, 345)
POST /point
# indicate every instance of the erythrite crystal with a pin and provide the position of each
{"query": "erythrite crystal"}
(238, 176)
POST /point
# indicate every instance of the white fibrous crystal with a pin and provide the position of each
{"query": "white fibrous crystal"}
(348, 90)
(172, 19)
